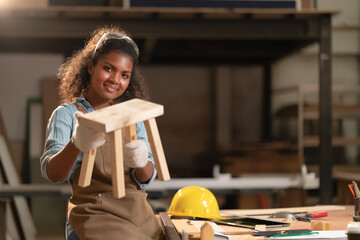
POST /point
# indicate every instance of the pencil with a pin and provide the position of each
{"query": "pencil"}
(351, 189)
(293, 234)
(356, 189)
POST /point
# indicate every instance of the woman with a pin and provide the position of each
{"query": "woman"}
(103, 73)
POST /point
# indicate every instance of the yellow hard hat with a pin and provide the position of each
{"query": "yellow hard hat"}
(194, 201)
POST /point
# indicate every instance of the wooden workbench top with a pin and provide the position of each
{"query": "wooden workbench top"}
(339, 219)
(339, 216)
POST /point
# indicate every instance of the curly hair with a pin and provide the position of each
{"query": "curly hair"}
(74, 76)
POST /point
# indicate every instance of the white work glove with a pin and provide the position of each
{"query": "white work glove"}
(86, 138)
(135, 154)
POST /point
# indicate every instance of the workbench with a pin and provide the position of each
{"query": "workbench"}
(339, 216)
(233, 187)
(246, 182)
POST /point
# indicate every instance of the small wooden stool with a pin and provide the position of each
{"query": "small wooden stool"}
(111, 120)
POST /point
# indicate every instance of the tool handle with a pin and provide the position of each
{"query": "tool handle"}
(317, 214)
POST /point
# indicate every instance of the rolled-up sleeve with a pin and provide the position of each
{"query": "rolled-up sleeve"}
(59, 131)
(142, 135)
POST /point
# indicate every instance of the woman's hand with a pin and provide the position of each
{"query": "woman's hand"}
(86, 138)
(135, 154)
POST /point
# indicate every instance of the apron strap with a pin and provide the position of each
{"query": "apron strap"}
(81, 109)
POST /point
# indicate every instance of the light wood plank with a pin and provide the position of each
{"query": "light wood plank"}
(11, 224)
(117, 165)
(157, 149)
(87, 167)
(121, 115)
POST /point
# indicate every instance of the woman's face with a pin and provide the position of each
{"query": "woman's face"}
(109, 78)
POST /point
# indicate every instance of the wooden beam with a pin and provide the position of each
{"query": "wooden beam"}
(148, 27)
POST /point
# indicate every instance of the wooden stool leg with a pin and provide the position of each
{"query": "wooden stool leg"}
(157, 149)
(117, 165)
(87, 167)
(130, 133)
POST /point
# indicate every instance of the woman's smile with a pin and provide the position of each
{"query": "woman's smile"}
(111, 88)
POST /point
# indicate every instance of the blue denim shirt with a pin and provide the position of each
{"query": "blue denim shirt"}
(60, 129)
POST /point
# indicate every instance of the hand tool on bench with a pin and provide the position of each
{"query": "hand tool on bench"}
(316, 214)
(281, 232)
(289, 215)
(246, 222)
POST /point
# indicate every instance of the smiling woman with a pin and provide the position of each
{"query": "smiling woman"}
(101, 74)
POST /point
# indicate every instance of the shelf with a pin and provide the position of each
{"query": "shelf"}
(311, 112)
(168, 35)
(338, 111)
(313, 141)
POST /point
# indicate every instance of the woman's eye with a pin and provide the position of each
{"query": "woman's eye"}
(126, 76)
(108, 69)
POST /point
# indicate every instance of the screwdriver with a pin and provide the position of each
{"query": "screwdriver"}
(316, 215)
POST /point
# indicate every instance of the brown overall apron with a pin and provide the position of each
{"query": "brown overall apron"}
(94, 213)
